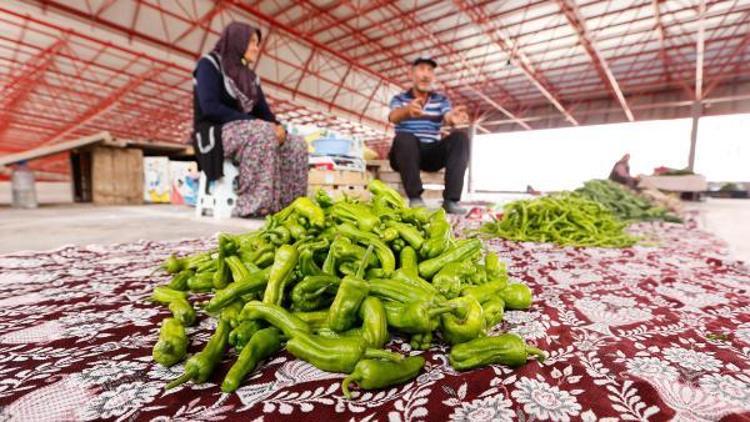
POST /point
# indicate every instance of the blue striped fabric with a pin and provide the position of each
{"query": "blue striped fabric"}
(427, 127)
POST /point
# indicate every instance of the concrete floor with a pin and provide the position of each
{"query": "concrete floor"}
(52, 226)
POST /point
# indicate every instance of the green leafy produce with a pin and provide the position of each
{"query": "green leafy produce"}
(623, 202)
(567, 219)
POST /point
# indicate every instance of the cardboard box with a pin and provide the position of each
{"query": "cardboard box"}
(156, 181)
(337, 177)
(184, 178)
(339, 191)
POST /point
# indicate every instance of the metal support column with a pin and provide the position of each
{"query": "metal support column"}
(696, 114)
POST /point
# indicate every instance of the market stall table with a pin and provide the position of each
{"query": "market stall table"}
(649, 332)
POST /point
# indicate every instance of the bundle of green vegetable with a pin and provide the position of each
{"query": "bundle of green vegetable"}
(567, 219)
(625, 204)
(321, 280)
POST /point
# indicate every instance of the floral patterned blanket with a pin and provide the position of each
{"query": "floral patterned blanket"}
(647, 333)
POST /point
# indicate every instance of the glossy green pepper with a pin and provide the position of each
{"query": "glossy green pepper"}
(263, 344)
(495, 268)
(274, 315)
(383, 252)
(172, 265)
(296, 230)
(222, 275)
(390, 195)
(284, 262)
(180, 280)
(177, 302)
(388, 235)
(253, 283)
(374, 322)
(439, 235)
(200, 366)
(409, 261)
(305, 207)
(349, 296)
(371, 374)
(399, 291)
(516, 296)
(241, 334)
(201, 282)
(345, 250)
(307, 265)
(316, 320)
(314, 292)
(494, 308)
(172, 344)
(419, 215)
(506, 349)
(323, 199)
(409, 233)
(334, 354)
(415, 317)
(356, 214)
(451, 279)
(460, 252)
(466, 322)
(485, 291)
(279, 235)
(421, 341)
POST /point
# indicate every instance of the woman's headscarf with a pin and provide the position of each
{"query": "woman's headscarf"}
(231, 48)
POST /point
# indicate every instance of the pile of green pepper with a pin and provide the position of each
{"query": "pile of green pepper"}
(566, 218)
(330, 282)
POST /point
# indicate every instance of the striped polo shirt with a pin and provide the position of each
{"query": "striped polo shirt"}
(427, 127)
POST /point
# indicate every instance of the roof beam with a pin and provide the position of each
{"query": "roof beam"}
(517, 57)
(577, 21)
(103, 106)
(700, 46)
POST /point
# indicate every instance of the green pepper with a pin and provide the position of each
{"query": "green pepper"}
(375, 273)
(201, 282)
(388, 235)
(180, 280)
(347, 268)
(460, 252)
(485, 291)
(399, 291)
(398, 244)
(495, 268)
(349, 296)
(274, 315)
(409, 233)
(266, 259)
(439, 234)
(493, 311)
(231, 313)
(172, 265)
(200, 366)
(451, 278)
(323, 199)
(409, 261)
(307, 265)
(206, 267)
(415, 281)
(374, 322)
(284, 262)
(177, 302)
(415, 317)
(237, 269)
(305, 207)
(316, 320)
(296, 230)
(506, 349)
(334, 354)
(371, 374)
(355, 213)
(466, 322)
(253, 283)
(263, 344)
(345, 250)
(258, 256)
(393, 198)
(517, 296)
(222, 275)
(329, 265)
(172, 344)
(241, 334)
(314, 292)
(383, 252)
(279, 235)
(419, 215)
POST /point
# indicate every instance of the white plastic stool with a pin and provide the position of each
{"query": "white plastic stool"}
(220, 197)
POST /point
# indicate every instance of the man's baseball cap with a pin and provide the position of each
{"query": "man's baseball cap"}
(424, 59)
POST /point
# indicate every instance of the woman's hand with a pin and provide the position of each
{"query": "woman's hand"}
(280, 134)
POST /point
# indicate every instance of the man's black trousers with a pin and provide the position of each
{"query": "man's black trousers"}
(408, 156)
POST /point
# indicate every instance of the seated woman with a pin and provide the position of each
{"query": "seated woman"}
(233, 120)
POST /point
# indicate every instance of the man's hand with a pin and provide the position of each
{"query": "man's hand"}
(280, 134)
(457, 116)
(415, 108)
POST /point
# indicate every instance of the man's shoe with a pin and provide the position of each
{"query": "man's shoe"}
(416, 203)
(452, 207)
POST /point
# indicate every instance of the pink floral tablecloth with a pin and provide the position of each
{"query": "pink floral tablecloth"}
(647, 333)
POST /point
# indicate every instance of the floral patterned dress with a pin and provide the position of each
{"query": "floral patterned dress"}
(271, 175)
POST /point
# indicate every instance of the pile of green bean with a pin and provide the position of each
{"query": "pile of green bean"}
(567, 219)
(624, 203)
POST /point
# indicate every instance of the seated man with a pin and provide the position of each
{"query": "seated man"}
(621, 173)
(418, 115)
